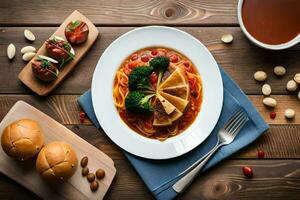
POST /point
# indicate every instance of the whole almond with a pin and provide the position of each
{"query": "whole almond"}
(291, 85)
(28, 56)
(279, 71)
(266, 89)
(227, 38)
(297, 78)
(260, 76)
(28, 49)
(268, 101)
(84, 161)
(29, 35)
(11, 51)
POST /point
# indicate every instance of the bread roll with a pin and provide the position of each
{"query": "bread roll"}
(57, 161)
(22, 139)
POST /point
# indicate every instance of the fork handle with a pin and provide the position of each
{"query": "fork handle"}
(187, 179)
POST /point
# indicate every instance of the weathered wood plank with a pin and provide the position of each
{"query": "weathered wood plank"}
(65, 108)
(240, 59)
(278, 142)
(119, 13)
(283, 102)
(273, 179)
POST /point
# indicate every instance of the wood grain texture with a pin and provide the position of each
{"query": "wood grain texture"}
(26, 174)
(273, 179)
(44, 88)
(65, 108)
(279, 142)
(240, 59)
(119, 13)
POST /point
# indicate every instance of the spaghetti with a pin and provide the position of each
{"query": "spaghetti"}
(144, 124)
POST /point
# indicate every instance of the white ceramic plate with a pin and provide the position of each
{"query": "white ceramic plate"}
(107, 114)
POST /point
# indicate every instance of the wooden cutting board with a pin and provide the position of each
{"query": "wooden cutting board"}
(44, 88)
(25, 173)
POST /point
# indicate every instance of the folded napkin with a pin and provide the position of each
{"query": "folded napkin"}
(160, 175)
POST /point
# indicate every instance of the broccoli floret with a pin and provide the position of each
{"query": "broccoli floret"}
(160, 64)
(137, 102)
(139, 78)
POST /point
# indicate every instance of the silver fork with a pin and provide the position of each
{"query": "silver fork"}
(225, 136)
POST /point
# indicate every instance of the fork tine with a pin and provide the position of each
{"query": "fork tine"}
(232, 119)
(235, 123)
(241, 125)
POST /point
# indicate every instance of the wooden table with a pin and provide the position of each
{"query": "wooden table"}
(277, 176)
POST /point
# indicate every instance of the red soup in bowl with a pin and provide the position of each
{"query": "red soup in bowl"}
(270, 23)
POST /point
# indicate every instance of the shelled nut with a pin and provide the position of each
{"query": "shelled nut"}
(94, 186)
(266, 89)
(85, 171)
(28, 49)
(29, 35)
(227, 38)
(268, 101)
(291, 85)
(84, 161)
(289, 113)
(297, 78)
(11, 51)
(28, 56)
(260, 76)
(279, 71)
(100, 173)
(90, 177)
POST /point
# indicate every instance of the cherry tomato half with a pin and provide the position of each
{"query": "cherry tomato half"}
(145, 58)
(154, 52)
(174, 58)
(77, 32)
(153, 78)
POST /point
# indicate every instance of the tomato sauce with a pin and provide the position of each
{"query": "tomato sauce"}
(144, 124)
(272, 21)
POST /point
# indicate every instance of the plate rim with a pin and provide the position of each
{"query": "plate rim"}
(221, 95)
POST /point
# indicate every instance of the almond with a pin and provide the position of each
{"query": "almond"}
(279, 71)
(268, 101)
(29, 35)
(28, 56)
(11, 51)
(297, 78)
(291, 86)
(28, 49)
(260, 76)
(266, 89)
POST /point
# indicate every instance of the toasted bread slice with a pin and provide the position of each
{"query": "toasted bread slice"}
(182, 91)
(169, 108)
(178, 102)
(175, 115)
(175, 79)
(161, 118)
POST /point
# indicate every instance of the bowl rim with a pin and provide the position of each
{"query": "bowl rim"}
(286, 45)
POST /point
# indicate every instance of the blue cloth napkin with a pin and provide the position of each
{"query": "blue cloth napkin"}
(158, 175)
